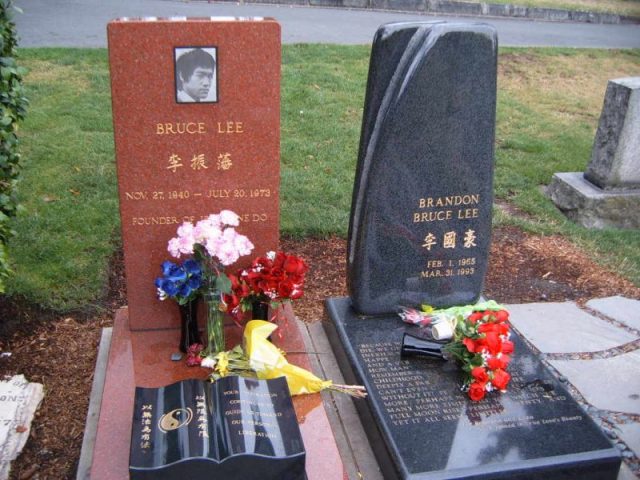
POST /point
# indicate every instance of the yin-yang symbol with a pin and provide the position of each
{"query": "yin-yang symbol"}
(175, 419)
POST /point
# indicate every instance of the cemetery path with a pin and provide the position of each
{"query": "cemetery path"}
(69, 23)
(60, 351)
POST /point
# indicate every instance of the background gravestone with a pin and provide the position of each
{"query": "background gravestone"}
(421, 214)
(182, 160)
(615, 158)
(608, 193)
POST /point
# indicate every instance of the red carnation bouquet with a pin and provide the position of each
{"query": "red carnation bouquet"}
(273, 280)
(479, 342)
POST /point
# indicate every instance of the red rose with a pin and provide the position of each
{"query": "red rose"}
(280, 259)
(260, 263)
(494, 362)
(476, 391)
(253, 276)
(295, 265)
(480, 374)
(475, 317)
(481, 345)
(503, 328)
(489, 327)
(493, 342)
(502, 316)
(235, 281)
(470, 344)
(500, 379)
(232, 301)
(297, 292)
(285, 289)
(507, 347)
(276, 273)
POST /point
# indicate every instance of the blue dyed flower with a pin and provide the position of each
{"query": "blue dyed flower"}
(169, 287)
(194, 282)
(179, 282)
(192, 267)
(185, 290)
(167, 267)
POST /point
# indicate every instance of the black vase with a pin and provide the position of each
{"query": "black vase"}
(259, 310)
(189, 325)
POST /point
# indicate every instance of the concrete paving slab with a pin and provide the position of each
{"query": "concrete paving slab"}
(624, 310)
(609, 384)
(350, 436)
(339, 434)
(626, 473)
(565, 328)
(630, 434)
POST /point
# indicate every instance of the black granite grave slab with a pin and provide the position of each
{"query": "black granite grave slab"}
(420, 223)
(421, 426)
(233, 428)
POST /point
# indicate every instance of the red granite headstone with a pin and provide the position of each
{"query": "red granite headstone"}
(196, 113)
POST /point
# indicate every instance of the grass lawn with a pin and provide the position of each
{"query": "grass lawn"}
(620, 7)
(549, 103)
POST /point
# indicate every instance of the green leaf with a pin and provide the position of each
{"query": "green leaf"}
(223, 284)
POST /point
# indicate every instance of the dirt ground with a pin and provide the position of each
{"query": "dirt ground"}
(60, 351)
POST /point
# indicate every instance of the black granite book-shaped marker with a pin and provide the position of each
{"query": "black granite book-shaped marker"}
(420, 225)
(233, 428)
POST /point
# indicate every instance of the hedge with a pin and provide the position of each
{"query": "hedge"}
(13, 106)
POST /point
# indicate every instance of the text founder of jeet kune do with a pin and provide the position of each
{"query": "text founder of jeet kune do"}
(195, 74)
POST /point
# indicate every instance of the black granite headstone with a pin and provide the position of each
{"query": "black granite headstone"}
(233, 428)
(421, 212)
(420, 233)
(421, 426)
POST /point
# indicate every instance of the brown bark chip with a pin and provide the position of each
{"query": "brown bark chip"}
(60, 351)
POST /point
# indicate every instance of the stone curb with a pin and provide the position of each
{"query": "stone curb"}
(454, 7)
(95, 401)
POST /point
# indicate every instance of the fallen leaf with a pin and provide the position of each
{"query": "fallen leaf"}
(28, 473)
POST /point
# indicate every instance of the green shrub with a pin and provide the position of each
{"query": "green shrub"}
(13, 104)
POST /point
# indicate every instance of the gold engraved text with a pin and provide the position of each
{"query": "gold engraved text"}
(230, 127)
(450, 201)
(179, 128)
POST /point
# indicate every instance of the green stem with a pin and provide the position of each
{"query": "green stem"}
(215, 324)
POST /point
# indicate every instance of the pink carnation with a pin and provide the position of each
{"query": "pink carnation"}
(243, 244)
(224, 244)
(213, 220)
(227, 217)
(174, 247)
(206, 231)
(185, 230)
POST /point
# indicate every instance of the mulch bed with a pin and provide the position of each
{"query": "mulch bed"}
(60, 351)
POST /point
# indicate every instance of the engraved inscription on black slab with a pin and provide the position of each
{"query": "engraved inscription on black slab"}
(233, 428)
(421, 212)
(421, 426)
